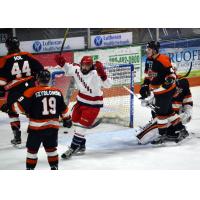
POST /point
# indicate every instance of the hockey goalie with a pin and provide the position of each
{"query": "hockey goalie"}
(182, 105)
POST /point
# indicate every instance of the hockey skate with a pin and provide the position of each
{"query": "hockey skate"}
(70, 152)
(161, 139)
(177, 137)
(17, 137)
(54, 167)
(182, 134)
(80, 151)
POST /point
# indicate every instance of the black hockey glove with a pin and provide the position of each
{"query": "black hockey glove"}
(144, 91)
(4, 108)
(67, 122)
(2, 92)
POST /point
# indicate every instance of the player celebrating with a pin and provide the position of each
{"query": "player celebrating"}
(89, 79)
(43, 105)
(160, 78)
(17, 72)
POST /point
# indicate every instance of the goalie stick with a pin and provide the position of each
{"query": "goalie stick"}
(153, 107)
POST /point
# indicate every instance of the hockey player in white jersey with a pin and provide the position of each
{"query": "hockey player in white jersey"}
(90, 78)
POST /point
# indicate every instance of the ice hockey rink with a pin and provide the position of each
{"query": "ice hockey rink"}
(112, 147)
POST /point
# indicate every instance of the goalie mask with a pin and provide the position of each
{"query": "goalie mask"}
(86, 64)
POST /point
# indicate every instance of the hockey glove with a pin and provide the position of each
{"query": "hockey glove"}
(67, 122)
(2, 94)
(100, 70)
(144, 91)
(60, 60)
(5, 108)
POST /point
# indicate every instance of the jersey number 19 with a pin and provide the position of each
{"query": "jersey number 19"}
(49, 106)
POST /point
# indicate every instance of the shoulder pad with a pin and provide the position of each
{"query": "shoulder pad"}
(164, 60)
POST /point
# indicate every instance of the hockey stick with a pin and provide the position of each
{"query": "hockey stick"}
(153, 107)
(63, 43)
(187, 74)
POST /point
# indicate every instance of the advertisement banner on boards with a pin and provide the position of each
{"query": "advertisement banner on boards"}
(181, 58)
(115, 56)
(110, 40)
(51, 45)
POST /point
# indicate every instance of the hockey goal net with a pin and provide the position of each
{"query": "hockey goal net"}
(118, 100)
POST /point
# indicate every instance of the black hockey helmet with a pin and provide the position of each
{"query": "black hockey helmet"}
(44, 76)
(154, 45)
(12, 43)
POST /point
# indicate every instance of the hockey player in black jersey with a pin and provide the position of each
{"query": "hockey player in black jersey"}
(182, 104)
(161, 79)
(44, 105)
(17, 73)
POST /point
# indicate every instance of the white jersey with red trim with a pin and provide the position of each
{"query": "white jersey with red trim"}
(89, 85)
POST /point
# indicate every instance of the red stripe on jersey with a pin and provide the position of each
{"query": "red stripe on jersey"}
(84, 96)
(44, 120)
(176, 102)
(164, 91)
(188, 96)
(43, 127)
(16, 82)
(20, 108)
(3, 79)
(176, 109)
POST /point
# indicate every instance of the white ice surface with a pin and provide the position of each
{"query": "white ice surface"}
(111, 147)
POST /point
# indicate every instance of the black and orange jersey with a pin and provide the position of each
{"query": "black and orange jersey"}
(156, 71)
(17, 68)
(43, 105)
(183, 95)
